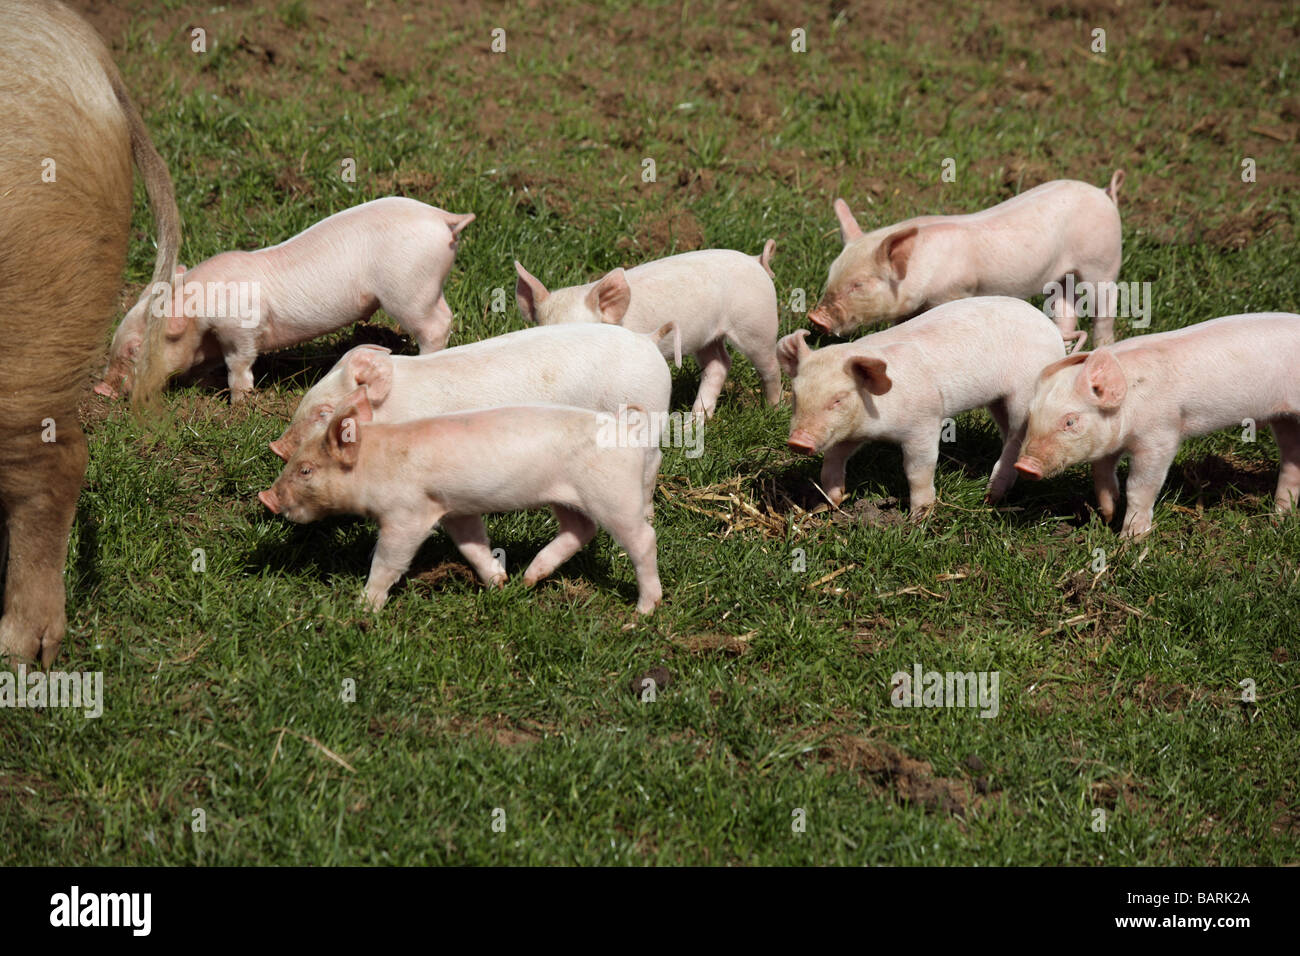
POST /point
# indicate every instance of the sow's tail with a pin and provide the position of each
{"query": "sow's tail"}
(151, 371)
(670, 328)
(1116, 182)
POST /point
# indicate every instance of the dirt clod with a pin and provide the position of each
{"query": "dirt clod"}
(659, 675)
(887, 769)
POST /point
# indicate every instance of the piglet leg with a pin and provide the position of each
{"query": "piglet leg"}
(1148, 467)
(400, 537)
(920, 455)
(1004, 470)
(1063, 314)
(1287, 433)
(834, 464)
(1106, 483)
(471, 538)
(634, 535)
(716, 362)
(239, 373)
(576, 529)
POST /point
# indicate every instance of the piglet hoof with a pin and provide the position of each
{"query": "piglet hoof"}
(373, 602)
(498, 580)
(834, 496)
(647, 605)
(918, 513)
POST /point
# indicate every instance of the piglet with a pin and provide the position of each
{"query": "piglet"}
(452, 469)
(1016, 248)
(900, 384)
(601, 367)
(1142, 396)
(715, 297)
(393, 253)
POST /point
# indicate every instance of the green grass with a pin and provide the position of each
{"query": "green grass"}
(1119, 690)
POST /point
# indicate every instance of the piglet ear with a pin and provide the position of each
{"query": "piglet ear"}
(869, 372)
(1103, 380)
(611, 297)
(791, 350)
(529, 292)
(359, 402)
(343, 437)
(1074, 358)
(176, 320)
(896, 251)
(373, 370)
(849, 228)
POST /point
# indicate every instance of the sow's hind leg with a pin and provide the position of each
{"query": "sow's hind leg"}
(39, 499)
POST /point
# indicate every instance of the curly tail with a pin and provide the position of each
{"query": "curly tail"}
(765, 257)
(670, 328)
(1078, 337)
(1116, 182)
(456, 222)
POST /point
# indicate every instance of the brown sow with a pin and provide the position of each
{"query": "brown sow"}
(68, 135)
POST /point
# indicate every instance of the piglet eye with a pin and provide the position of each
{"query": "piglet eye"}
(1069, 422)
(305, 471)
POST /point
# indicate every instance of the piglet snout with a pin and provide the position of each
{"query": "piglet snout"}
(269, 499)
(802, 442)
(1030, 467)
(278, 449)
(103, 388)
(819, 320)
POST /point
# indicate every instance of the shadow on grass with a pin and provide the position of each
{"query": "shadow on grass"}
(86, 561)
(878, 494)
(344, 546)
(1213, 480)
(686, 382)
(303, 365)
(1210, 481)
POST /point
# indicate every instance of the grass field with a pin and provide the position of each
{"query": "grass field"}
(1119, 688)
